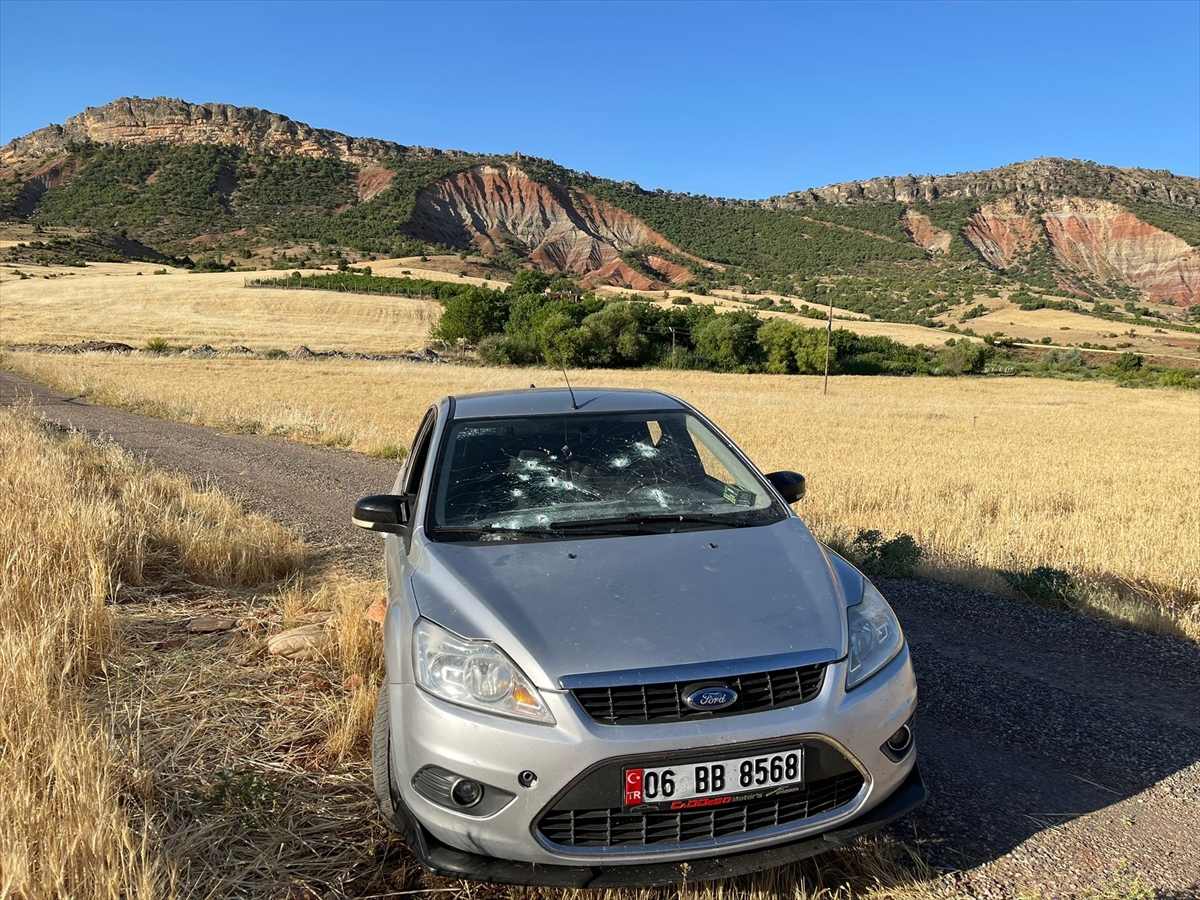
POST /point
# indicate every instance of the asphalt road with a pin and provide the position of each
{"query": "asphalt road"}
(1057, 750)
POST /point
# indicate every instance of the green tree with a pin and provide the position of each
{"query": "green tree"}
(729, 342)
(470, 316)
(776, 337)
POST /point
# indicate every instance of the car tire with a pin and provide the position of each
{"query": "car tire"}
(381, 761)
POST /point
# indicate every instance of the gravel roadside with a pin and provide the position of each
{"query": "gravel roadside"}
(1059, 751)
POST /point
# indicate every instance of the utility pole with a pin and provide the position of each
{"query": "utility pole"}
(828, 341)
(672, 346)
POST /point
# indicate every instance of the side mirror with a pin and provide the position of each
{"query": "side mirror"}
(384, 512)
(789, 484)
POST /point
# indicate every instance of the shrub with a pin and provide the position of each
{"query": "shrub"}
(276, 353)
(1044, 584)
(211, 264)
(681, 301)
(1129, 362)
(963, 358)
(1180, 378)
(507, 350)
(158, 345)
(894, 558)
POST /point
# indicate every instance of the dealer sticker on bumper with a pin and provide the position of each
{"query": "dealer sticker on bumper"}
(714, 783)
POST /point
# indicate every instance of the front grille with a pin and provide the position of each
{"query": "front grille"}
(642, 703)
(618, 828)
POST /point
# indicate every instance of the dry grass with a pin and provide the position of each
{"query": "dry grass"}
(81, 527)
(142, 759)
(1065, 328)
(987, 475)
(110, 302)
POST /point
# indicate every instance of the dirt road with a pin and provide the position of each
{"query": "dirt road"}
(1057, 750)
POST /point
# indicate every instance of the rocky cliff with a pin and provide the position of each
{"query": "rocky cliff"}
(131, 121)
(1044, 177)
(495, 208)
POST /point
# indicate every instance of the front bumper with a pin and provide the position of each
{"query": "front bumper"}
(439, 859)
(426, 731)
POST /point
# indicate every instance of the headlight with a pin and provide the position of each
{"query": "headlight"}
(875, 636)
(476, 674)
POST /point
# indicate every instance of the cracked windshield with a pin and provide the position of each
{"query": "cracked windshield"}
(581, 473)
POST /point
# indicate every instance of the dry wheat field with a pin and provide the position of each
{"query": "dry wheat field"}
(111, 302)
(987, 475)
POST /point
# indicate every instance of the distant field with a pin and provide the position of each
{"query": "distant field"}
(109, 301)
(987, 475)
(1064, 328)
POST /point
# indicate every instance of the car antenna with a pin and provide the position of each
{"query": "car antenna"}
(574, 405)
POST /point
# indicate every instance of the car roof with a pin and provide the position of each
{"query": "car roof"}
(549, 401)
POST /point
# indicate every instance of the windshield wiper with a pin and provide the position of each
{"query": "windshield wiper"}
(655, 519)
(493, 530)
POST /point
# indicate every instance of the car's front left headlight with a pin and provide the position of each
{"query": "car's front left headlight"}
(476, 674)
(875, 636)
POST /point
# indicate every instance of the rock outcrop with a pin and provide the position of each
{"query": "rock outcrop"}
(132, 121)
(493, 208)
(1002, 232)
(1046, 176)
(924, 233)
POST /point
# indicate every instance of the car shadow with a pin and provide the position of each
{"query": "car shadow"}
(1029, 718)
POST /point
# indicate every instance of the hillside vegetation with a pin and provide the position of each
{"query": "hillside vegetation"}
(169, 195)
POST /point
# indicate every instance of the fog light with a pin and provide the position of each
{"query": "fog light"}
(466, 793)
(901, 740)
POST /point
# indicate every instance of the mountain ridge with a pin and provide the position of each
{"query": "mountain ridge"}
(169, 172)
(137, 120)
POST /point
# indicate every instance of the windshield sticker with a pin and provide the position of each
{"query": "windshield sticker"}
(738, 496)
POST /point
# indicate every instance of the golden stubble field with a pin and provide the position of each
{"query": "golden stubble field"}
(987, 475)
(111, 302)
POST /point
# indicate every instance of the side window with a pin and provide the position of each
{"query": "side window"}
(419, 454)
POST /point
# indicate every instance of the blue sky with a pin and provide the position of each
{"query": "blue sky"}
(740, 100)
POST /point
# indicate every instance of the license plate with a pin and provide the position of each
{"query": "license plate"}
(713, 783)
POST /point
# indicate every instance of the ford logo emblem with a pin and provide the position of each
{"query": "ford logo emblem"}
(709, 696)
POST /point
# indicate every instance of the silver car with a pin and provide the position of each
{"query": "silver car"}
(615, 656)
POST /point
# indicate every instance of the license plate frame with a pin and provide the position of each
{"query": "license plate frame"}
(700, 782)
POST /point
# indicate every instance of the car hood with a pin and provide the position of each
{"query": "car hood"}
(564, 608)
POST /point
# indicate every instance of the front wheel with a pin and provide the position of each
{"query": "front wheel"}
(381, 760)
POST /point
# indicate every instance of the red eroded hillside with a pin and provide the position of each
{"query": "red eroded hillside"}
(1093, 238)
(1100, 239)
(493, 208)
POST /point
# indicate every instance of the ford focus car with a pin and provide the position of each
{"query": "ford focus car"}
(616, 656)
